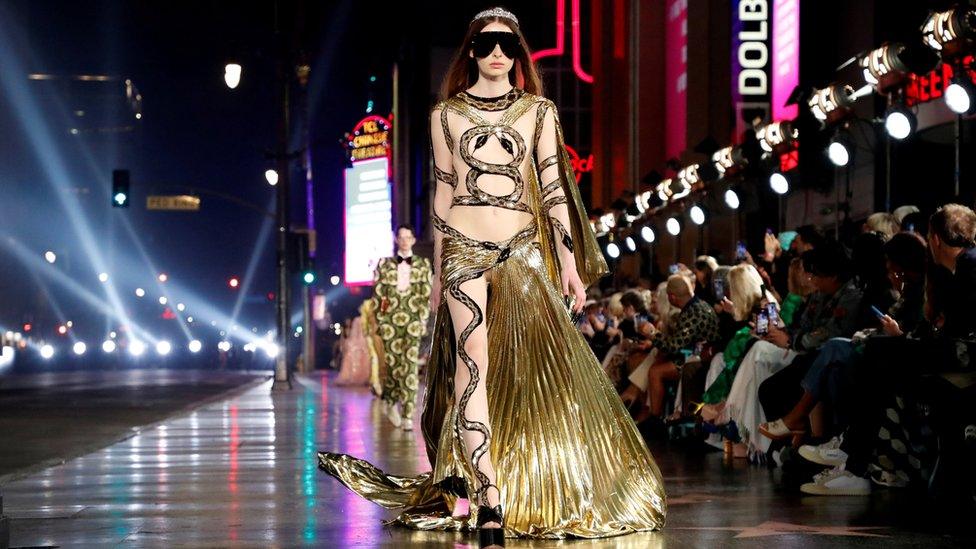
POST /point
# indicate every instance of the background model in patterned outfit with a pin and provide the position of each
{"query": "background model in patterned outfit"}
(402, 286)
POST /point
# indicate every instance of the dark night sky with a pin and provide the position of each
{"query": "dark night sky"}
(195, 131)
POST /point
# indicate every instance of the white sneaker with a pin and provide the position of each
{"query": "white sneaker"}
(828, 453)
(837, 482)
(391, 413)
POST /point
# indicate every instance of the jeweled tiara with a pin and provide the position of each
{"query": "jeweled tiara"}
(496, 12)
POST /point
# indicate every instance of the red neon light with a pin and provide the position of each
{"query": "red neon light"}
(560, 48)
(580, 165)
(788, 161)
(923, 88)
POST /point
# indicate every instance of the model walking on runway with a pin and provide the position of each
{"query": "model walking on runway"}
(518, 416)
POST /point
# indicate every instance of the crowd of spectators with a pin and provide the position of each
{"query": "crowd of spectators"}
(848, 359)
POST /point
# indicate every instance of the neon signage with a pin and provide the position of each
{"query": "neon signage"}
(370, 138)
(561, 39)
(368, 219)
(786, 57)
(922, 88)
(580, 165)
(750, 60)
(676, 77)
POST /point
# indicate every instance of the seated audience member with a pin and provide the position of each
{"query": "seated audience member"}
(664, 314)
(830, 312)
(826, 380)
(695, 324)
(871, 276)
(594, 327)
(635, 329)
(704, 270)
(890, 373)
(778, 260)
(901, 212)
(746, 295)
(882, 222)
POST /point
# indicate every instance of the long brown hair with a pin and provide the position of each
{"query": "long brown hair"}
(464, 68)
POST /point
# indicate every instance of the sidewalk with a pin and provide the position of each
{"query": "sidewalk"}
(240, 473)
(243, 473)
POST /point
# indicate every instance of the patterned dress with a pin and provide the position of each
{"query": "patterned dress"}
(401, 319)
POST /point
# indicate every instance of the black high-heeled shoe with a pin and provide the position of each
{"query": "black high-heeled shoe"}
(488, 537)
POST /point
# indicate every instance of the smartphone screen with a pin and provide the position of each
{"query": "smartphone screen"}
(762, 323)
(673, 269)
(877, 312)
(772, 313)
(740, 251)
(719, 288)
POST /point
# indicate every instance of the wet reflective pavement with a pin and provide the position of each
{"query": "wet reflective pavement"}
(243, 473)
(48, 417)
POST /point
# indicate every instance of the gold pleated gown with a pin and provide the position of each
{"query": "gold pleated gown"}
(568, 458)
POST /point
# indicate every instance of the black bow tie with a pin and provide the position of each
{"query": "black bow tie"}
(401, 259)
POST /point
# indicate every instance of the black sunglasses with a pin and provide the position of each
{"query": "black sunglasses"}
(484, 43)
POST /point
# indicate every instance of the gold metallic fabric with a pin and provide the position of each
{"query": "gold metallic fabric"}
(568, 457)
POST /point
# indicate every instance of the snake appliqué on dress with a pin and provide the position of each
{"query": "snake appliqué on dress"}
(513, 143)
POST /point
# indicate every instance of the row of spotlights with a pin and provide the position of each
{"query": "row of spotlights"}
(136, 348)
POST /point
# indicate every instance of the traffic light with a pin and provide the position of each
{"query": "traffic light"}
(120, 188)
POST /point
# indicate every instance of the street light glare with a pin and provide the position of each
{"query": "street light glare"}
(47, 351)
(271, 176)
(164, 347)
(136, 348)
(232, 75)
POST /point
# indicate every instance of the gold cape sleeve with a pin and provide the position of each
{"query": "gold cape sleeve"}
(590, 263)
